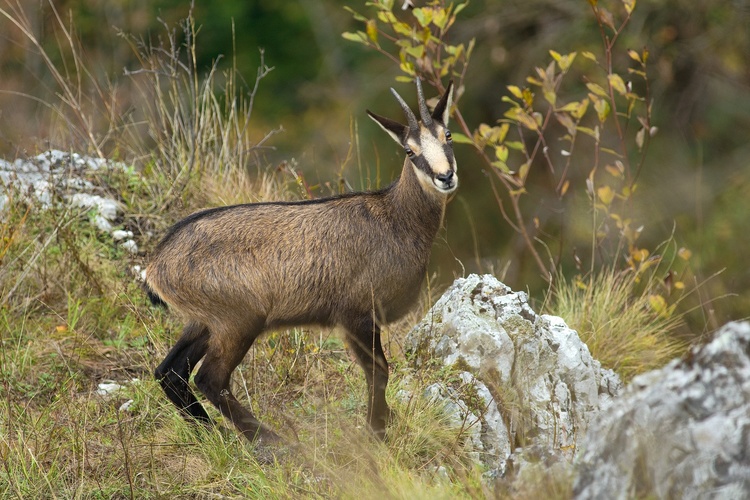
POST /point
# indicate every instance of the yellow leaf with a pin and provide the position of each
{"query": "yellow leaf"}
(589, 55)
(501, 132)
(516, 91)
(528, 97)
(606, 195)
(566, 60)
(602, 109)
(523, 118)
(565, 187)
(634, 55)
(566, 122)
(61, 328)
(617, 83)
(639, 138)
(372, 30)
(581, 109)
(658, 304)
(684, 253)
(597, 89)
(550, 96)
(640, 254)
(614, 171)
(524, 171)
(501, 152)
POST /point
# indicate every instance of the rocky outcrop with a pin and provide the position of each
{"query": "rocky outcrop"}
(57, 177)
(679, 432)
(535, 386)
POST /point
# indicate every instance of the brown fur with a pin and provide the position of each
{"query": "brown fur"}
(355, 260)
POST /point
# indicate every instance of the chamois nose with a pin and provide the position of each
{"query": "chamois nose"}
(445, 178)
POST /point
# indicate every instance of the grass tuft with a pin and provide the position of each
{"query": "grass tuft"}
(618, 322)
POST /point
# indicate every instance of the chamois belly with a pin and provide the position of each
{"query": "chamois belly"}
(314, 296)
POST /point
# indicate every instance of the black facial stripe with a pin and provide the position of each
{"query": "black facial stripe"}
(448, 150)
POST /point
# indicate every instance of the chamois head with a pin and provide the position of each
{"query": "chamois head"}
(427, 142)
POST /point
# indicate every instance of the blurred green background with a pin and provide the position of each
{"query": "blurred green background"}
(696, 181)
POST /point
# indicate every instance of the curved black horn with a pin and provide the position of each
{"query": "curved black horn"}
(407, 111)
(423, 111)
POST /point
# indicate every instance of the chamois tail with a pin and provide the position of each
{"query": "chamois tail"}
(154, 297)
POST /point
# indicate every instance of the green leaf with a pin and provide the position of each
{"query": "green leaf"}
(355, 14)
(597, 89)
(459, 138)
(502, 166)
(571, 107)
(590, 132)
(565, 61)
(501, 152)
(358, 37)
(550, 96)
(602, 109)
(423, 15)
(416, 52)
(402, 29)
(387, 17)
(517, 145)
(611, 151)
(408, 68)
(440, 17)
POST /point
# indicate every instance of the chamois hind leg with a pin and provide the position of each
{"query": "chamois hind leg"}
(224, 353)
(364, 343)
(173, 373)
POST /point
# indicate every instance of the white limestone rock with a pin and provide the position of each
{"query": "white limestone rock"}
(679, 432)
(539, 385)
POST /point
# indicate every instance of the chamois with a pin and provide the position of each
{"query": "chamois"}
(355, 260)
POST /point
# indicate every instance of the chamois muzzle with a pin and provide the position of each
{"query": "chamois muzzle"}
(446, 182)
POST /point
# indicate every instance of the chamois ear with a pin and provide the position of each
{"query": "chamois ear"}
(394, 129)
(443, 109)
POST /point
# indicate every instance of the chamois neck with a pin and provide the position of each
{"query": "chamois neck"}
(417, 204)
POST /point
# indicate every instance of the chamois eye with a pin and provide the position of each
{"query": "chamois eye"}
(409, 152)
(448, 136)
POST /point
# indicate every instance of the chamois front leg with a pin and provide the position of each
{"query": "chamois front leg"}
(364, 342)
